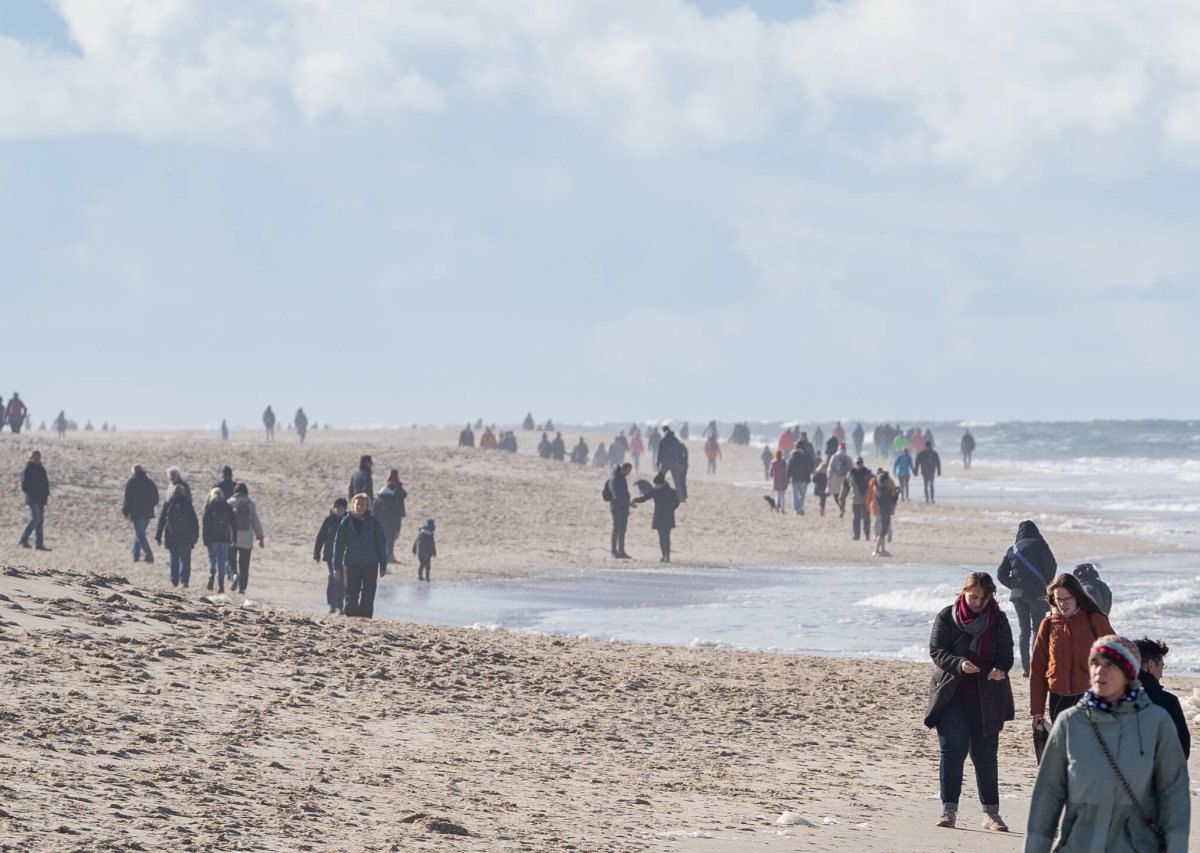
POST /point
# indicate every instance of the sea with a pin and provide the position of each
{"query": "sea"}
(1139, 478)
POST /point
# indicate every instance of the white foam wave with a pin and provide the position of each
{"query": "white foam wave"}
(918, 600)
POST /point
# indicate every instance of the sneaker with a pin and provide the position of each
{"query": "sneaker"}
(149, 561)
(947, 819)
(885, 553)
(24, 544)
(994, 823)
(41, 548)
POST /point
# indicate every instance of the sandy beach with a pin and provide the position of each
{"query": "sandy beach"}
(140, 717)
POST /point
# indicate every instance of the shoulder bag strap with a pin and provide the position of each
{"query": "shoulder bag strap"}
(1149, 821)
(1025, 562)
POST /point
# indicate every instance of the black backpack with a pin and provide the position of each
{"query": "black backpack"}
(606, 492)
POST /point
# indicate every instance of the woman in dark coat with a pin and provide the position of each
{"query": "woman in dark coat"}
(970, 696)
(180, 528)
(665, 502)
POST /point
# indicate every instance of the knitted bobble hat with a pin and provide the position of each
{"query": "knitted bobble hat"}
(1122, 652)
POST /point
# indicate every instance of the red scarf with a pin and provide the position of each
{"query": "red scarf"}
(980, 652)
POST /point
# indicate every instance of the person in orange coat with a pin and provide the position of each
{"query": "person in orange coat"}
(1059, 665)
(488, 440)
(787, 440)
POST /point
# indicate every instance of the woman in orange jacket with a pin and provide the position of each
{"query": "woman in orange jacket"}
(882, 495)
(1059, 664)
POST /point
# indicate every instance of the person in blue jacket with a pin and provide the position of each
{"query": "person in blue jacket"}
(360, 556)
(902, 468)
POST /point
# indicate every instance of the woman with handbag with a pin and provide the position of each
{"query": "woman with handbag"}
(1059, 665)
(970, 696)
(1114, 764)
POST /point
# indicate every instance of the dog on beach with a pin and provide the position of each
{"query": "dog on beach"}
(770, 502)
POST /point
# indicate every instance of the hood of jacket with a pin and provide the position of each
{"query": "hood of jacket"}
(1027, 530)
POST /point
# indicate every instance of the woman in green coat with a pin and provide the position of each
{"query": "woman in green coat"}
(1115, 727)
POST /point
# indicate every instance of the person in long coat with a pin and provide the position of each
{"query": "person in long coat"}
(666, 501)
(970, 696)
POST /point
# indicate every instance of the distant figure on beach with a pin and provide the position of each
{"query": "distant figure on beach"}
(766, 456)
(855, 487)
(36, 486)
(801, 465)
(1058, 667)
(558, 448)
(1027, 569)
(617, 449)
(881, 502)
(967, 445)
(616, 492)
(580, 452)
(636, 447)
(683, 431)
(549, 425)
(217, 533)
(247, 528)
(712, 451)
(652, 443)
(60, 424)
(226, 484)
(673, 459)
(970, 696)
(903, 468)
(858, 435)
(831, 445)
(778, 472)
(224, 430)
(175, 478)
(180, 529)
(928, 464)
(508, 441)
(1089, 578)
(820, 481)
(389, 508)
(916, 442)
(665, 504)
(527, 425)
(787, 440)
(543, 449)
(488, 440)
(141, 499)
(1112, 767)
(840, 466)
(600, 457)
(16, 413)
(361, 482)
(425, 548)
(1150, 675)
(301, 421)
(360, 555)
(466, 438)
(335, 588)
(818, 438)
(269, 422)
(839, 432)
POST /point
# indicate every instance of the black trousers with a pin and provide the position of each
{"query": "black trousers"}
(620, 517)
(423, 566)
(664, 543)
(360, 590)
(862, 516)
(240, 561)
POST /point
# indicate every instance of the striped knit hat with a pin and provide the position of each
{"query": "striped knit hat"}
(1122, 652)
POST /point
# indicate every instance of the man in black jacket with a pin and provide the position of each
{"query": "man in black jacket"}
(800, 467)
(1027, 569)
(618, 487)
(141, 497)
(36, 486)
(927, 464)
(673, 459)
(1153, 652)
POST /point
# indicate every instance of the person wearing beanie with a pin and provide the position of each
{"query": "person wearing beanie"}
(1058, 670)
(1096, 588)
(1113, 767)
(335, 585)
(226, 484)
(425, 548)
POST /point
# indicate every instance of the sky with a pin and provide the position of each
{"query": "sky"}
(602, 210)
